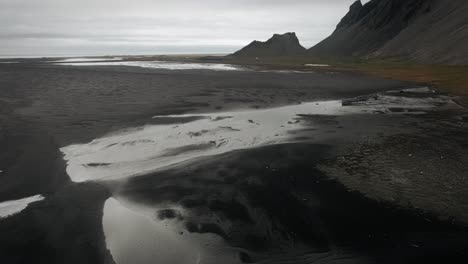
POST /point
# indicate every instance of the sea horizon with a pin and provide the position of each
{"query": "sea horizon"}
(144, 54)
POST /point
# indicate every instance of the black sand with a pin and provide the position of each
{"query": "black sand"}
(302, 213)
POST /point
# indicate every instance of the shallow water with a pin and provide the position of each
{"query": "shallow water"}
(87, 59)
(10, 208)
(316, 65)
(141, 150)
(160, 65)
(134, 235)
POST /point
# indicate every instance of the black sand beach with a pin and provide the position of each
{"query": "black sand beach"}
(359, 188)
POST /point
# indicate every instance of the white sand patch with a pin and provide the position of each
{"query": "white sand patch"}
(10, 208)
(161, 65)
(141, 150)
(136, 236)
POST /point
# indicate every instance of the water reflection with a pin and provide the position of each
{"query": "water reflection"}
(9, 208)
(156, 65)
(135, 235)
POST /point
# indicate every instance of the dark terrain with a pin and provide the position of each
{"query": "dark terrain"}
(385, 184)
(274, 204)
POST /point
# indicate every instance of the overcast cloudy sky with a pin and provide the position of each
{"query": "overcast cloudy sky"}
(105, 27)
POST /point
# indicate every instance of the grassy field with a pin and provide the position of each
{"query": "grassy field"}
(451, 78)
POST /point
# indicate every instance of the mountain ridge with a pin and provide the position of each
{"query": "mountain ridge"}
(422, 31)
(286, 44)
(418, 30)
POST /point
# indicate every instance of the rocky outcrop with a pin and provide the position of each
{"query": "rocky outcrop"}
(278, 45)
(353, 16)
(428, 31)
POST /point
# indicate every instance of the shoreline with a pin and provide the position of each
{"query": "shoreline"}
(438, 76)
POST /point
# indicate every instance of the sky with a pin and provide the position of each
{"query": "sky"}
(119, 27)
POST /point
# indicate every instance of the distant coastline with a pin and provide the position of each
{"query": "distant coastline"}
(145, 54)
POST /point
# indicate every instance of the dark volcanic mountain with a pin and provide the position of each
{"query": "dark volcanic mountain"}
(278, 45)
(428, 31)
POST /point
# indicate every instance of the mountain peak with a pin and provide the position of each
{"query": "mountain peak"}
(287, 34)
(353, 15)
(419, 30)
(357, 4)
(286, 44)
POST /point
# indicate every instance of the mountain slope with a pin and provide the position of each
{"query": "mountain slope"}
(428, 31)
(278, 45)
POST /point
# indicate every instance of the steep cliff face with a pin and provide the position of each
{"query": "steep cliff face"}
(429, 31)
(440, 36)
(278, 45)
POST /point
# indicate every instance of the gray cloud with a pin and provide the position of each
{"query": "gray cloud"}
(59, 27)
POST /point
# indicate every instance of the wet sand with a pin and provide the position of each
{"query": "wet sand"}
(270, 204)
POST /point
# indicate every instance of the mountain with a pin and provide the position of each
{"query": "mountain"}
(427, 31)
(278, 45)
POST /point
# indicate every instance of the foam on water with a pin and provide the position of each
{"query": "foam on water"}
(10, 208)
(160, 65)
(141, 150)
